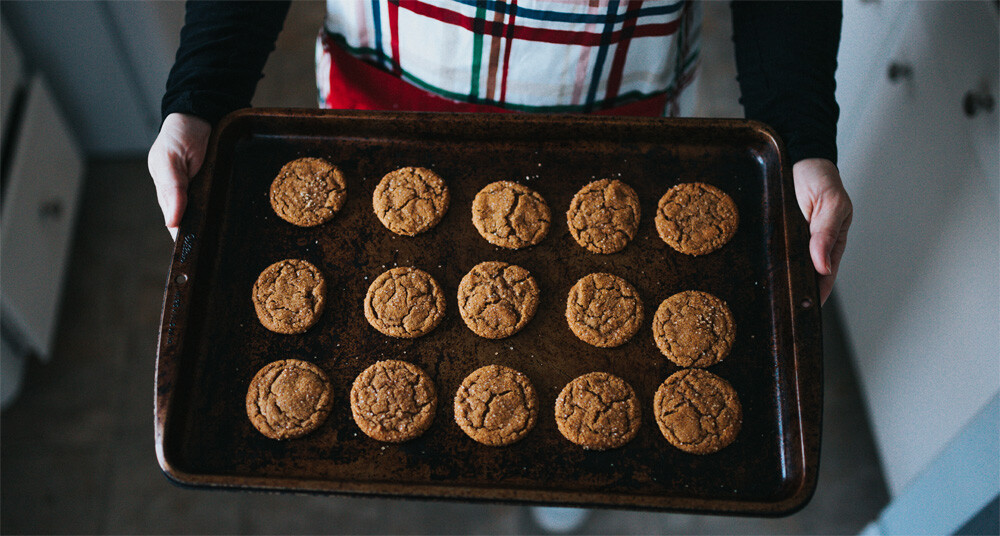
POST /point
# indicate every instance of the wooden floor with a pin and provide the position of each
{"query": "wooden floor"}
(76, 449)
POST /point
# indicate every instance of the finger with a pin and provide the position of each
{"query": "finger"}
(836, 254)
(826, 287)
(169, 174)
(176, 205)
(827, 227)
(820, 251)
(162, 174)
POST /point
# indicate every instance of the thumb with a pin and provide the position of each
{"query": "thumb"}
(824, 230)
(830, 220)
(170, 176)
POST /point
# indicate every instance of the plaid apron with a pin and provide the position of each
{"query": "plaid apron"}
(627, 57)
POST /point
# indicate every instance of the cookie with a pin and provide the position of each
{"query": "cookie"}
(696, 218)
(497, 299)
(604, 215)
(308, 192)
(393, 401)
(289, 296)
(598, 411)
(289, 399)
(510, 215)
(694, 329)
(404, 302)
(496, 406)
(697, 411)
(603, 310)
(410, 200)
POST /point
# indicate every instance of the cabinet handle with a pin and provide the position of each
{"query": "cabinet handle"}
(977, 101)
(50, 210)
(899, 72)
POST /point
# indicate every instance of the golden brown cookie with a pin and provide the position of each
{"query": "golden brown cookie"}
(694, 329)
(404, 302)
(604, 215)
(410, 200)
(289, 296)
(496, 406)
(696, 218)
(697, 411)
(603, 310)
(308, 192)
(598, 411)
(497, 299)
(289, 399)
(510, 215)
(393, 401)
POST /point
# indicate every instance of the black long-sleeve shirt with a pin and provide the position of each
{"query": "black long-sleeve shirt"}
(786, 57)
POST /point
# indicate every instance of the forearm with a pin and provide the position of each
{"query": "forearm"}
(786, 58)
(224, 46)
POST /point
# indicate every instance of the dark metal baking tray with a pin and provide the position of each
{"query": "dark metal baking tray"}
(211, 343)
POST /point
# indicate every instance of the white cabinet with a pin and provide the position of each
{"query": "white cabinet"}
(919, 286)
(42, 173)
(36, 224)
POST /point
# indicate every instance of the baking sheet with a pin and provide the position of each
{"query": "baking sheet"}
(211, 343)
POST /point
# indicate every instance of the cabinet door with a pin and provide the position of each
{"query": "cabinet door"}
(919, 283)
(37, 220)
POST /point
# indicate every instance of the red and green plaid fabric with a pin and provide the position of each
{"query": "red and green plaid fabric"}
(525, 55)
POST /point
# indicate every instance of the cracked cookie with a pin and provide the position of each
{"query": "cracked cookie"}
(496, 406)
(694, 329)
(308, 192)
(404, 302)
(410, 200)
(598, 411)
(697, 411)
(696, 218)
(393, 401)
(603, 310)
(604, 216)
(289, 399)
(510, 215)
(289, 296)
(497, 299)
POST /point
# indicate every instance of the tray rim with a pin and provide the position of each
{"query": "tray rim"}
(805, 332)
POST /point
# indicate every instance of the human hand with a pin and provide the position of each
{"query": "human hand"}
(828, 209)
(175, 157)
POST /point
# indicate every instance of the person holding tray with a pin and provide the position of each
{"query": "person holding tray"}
(605, 57)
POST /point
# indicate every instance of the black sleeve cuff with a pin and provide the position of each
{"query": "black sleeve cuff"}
(224, 46)
(786, 59)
